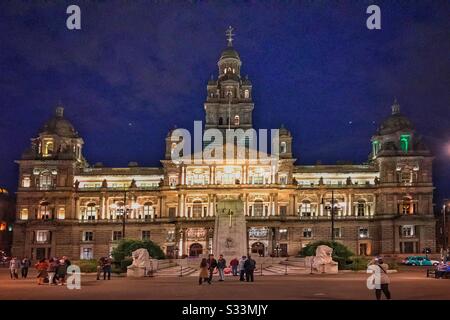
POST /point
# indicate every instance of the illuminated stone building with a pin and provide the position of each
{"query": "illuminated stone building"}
(67, 207)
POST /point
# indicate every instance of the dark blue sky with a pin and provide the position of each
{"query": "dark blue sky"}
(314, 66)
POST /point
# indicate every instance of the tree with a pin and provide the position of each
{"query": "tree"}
(127, 246)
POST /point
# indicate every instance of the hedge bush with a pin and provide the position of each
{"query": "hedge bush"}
(127, 246)
(86, 265)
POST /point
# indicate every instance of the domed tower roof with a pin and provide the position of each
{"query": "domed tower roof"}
(230, 52)
(395, 122)
(283, 131)
(59, 126)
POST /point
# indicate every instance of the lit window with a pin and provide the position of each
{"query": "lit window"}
(45, 180)
(283, 179)
(408, 231)
(225, 70)
(258, 207)
(307, 233)
(26, 182)
(363, 232)
(170, 236)
(404, 142)
(44, 211)
(375, 147)
(406, 206)
(61, 213)
(24, 214)
(88, 236)
(236, 120)
(305, 209)
(197, 208)
(2, 226)
(48, 148)
(283, 148)
(283, 234)
(42, 236)
(87, 253)
(246, 94)
(91, 212)
(148, 210)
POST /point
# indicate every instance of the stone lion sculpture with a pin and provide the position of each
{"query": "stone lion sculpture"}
(323, 259)
(141, 265)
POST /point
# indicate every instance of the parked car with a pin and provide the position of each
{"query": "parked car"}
(419, 261)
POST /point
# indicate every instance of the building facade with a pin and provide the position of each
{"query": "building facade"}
(7, 217)
(67, 207)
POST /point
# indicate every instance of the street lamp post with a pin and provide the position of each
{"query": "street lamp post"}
(125, 209)
(444, 232)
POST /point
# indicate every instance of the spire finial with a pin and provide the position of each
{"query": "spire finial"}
(229, 33)
(395, 107)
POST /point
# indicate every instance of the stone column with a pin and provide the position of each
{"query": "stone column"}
(350, 205)
(102, 207)
(77, 208)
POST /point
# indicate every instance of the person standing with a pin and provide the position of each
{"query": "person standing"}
(61, 271)
(379, 267)
(212, 264)
(51, 270)
(241, 268)
(107, 268)
(221, 265)
(234, 266)
(100, 266)
(203, 275)
(41, 267)
(249, 266)
(14, 267)
(25, 264)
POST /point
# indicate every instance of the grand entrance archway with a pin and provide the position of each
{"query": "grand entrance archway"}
(258, 248)
(195, 250)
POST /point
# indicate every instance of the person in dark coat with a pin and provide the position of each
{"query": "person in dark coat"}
(212, 264)
(25, 264)
(249, 266)
(221, 265)
(107, 263)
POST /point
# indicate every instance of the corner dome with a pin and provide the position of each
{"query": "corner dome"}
(395, 122)
(59, 126)
(229, 53)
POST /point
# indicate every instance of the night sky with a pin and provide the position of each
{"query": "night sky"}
(137, 68)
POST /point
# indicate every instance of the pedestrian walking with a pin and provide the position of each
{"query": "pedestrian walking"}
(249, 266)
(221, 265)
(51, 270)
(234, 266)
(25, 264)
(41, 267)
(376, 265)
(203, 275)
(14, 267)
(212, 265)
(241, 268)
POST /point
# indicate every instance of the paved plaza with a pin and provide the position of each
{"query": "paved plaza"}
(411, 284)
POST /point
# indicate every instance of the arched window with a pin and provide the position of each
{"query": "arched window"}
(361, 208)
(149, 211)
(236, 120)
(220, 121)
(197, 208)
(48, 148)
(246, 94)
(258, 208)
(91, 211)
(305, 208)
(283, 148)
(225, 70)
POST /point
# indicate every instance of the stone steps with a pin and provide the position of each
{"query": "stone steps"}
(174, 271)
